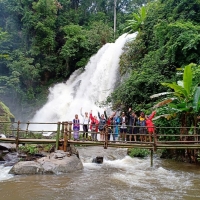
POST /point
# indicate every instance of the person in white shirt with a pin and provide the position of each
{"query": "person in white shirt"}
(123, 127)
(85, 122)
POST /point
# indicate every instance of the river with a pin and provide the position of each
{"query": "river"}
(119, 177)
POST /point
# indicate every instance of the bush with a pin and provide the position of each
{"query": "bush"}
(30, 149)
(138, 152)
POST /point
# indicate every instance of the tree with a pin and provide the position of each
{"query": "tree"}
(184, 102)
(137, 23)
(75, 40)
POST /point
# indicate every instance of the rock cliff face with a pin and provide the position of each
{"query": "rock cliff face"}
(55, 163)
(5, 116)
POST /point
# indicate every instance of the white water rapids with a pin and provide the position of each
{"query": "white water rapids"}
(84, 88)
(119, 177)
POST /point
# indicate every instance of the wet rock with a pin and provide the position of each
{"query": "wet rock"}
(98, 160)
(60, 162)
(55, 163)
(5, 151)
(2, 136)
(73, 150)
(7, 146)
(26, 167)
(39, 155)
(2, 162)
(59, 154)
(11, 159)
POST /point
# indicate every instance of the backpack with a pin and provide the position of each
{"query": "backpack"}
(141, 123)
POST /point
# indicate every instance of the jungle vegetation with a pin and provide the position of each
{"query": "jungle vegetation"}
(42, 42)
(168, 39)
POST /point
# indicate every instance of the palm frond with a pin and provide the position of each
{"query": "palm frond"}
(160, 94)
(160, 116)
(176, 88)
(162, 103)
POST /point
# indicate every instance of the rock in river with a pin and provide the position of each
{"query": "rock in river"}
(54, 163)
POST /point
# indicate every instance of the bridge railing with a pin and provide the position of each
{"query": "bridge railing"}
(63, 133)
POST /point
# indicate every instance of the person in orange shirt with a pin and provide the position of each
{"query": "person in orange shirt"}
(150, 125)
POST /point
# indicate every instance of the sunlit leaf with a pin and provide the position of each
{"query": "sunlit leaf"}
(187, 78)
(176, 88)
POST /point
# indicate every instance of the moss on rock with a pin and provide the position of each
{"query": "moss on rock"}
(5, 116)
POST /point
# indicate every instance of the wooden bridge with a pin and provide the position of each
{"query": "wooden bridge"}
(64, 133)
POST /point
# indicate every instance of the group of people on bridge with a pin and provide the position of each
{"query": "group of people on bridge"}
(119, 126)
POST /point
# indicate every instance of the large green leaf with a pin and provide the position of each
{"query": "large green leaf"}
(187, 79)
(177, 88)
(196, 100)
(181, 105)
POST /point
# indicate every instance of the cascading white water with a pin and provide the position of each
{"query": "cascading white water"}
(84, 88)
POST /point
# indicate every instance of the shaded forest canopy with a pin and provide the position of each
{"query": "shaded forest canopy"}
(42, 42)
(168, 39)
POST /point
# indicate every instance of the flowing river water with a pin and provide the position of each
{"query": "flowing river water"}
(119, 177)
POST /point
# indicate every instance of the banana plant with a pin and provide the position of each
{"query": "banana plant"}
(184, 101)
(137, 22)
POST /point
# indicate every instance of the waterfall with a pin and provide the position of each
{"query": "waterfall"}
(84, 88)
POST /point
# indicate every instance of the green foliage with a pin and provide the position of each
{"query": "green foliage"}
(47, 147)
(30, 149)
(185, 93)
(75, 40)
(138, 153)
(137, 23)
(169, 39)
(183, 103)
(44, 41)
(99, 34)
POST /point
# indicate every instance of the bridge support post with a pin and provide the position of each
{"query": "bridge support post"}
(155, 141)
(151, 155)
(27, 128)
(57, 135)
(106, 137)
(62, 130)
(70, 130)
(65, 136)
(17, 137)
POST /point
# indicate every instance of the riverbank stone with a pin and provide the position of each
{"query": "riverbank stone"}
(7, 146)
(54, 163)
(26, 167)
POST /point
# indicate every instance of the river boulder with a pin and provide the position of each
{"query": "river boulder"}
(26, 167)
(55, 163)
(7, 146)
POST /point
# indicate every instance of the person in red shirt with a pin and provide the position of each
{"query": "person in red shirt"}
(110, 126)
(93, 126)
(150, 125)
